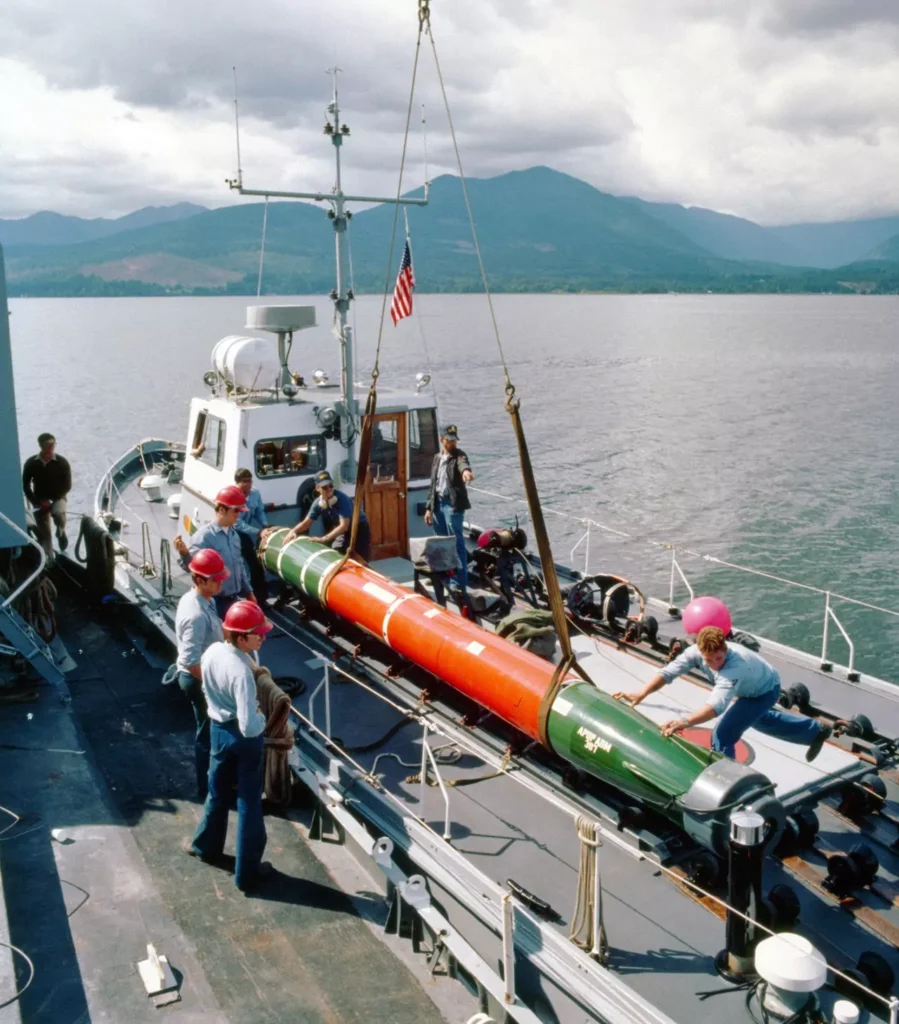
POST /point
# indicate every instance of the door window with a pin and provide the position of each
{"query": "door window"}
(423, 444)
(384, 459)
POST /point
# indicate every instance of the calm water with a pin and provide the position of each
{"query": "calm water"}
(759, 430)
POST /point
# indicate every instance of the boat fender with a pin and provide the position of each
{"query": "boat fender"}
(96, 550)
(534, 902)
(744, 639)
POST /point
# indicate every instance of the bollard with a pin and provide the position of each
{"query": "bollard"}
(736, 961)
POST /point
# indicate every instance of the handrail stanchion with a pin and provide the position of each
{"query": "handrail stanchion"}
(423, 779)
(447, 832)
(584, 537)
(894, 1010)
(825, 664)
(428, 755)
(326, 683)
(672, 608)
(851, 674)
(587, 552)
(508, 950)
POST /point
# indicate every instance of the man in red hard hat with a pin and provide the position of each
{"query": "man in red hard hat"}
(237, 730)
(197, 627)
(221, 536)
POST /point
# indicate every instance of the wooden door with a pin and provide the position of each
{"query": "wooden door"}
(385, 490)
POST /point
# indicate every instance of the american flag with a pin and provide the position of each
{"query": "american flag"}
(405, 284)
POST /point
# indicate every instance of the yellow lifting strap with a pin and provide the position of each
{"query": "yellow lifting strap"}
(548, 565)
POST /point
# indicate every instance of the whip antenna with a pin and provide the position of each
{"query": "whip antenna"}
(238, 182)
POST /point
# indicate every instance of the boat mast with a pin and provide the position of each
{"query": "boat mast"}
(342, 294)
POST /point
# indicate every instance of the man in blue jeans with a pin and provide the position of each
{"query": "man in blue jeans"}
(197, 627)
(448, 496)
(736, 672)
(237, 734)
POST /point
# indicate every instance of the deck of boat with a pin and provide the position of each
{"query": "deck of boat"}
(519, 824)
(93, 872)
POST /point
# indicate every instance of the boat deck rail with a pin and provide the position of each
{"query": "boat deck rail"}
(26, 583)
(678, 579)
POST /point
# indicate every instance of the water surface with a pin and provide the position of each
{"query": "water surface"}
(761, 430)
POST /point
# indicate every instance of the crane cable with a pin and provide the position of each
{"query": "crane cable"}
(371, 402)
(513, 408)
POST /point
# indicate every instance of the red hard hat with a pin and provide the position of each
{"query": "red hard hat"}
(232, 497)
(246, 617)
(210, 564)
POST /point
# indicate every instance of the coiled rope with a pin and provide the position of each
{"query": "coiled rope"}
(587, 928)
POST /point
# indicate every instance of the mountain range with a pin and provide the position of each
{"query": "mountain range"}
(539, 230)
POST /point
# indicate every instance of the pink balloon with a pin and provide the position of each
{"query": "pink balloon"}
(706, 611)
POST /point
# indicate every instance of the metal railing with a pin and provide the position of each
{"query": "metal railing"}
(42, 564)
(676, 570)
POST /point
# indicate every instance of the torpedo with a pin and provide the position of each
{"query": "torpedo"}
(694, 787)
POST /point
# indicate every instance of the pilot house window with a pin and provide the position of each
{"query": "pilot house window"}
(289, 456)
(209, 440)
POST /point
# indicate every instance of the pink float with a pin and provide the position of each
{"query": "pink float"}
(706, 611)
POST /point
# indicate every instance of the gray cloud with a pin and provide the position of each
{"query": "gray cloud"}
(720, 103)
(824, 17)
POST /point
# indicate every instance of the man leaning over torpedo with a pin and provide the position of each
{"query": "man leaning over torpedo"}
(745, 691)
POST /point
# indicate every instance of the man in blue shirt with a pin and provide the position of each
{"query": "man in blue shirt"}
(237, 735)
(197, 626)
(220, 535)
(251, 523)
(335, 509)
(745, 691)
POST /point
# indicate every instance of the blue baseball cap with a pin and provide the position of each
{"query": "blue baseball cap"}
(323, 478)
(450, 431)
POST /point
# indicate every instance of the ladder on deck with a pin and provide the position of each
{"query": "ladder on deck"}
(21, 638)
(26, 642)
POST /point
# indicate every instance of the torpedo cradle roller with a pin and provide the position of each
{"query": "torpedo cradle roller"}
(605, 738)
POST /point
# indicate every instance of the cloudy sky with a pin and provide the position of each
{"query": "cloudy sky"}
(777, 110)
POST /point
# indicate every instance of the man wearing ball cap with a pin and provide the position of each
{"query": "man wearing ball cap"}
(335, 509)
(745, 687)
(236, 739)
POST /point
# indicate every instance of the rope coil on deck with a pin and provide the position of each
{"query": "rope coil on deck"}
(587, 927)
